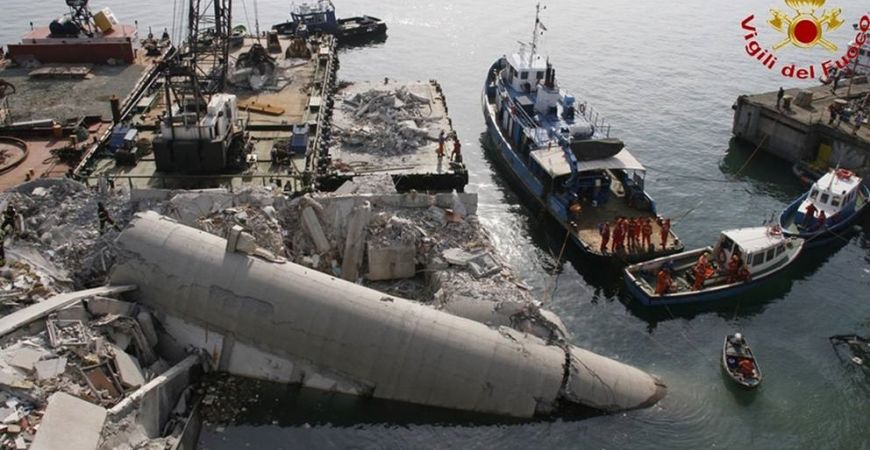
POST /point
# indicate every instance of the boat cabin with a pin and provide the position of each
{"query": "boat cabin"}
(315, 17)
(568, 179)
(834, 193)
(760, 248)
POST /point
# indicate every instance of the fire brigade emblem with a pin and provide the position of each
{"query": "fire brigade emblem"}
(805, 28)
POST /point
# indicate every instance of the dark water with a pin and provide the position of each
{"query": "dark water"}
(666, 75)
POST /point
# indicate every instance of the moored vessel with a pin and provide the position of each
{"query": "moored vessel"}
(319, 17)
(556, 151)
(832, 204)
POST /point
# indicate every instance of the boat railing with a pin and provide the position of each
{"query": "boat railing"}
(589, 113)
(592, 116)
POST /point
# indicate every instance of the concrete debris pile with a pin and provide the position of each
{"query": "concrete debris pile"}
(98, 349)
(60, 227)
(386, 122)
(22, 284)
(218, 211)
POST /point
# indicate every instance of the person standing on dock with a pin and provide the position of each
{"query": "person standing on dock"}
(604, 231)
(779, 96)
(666, 229)
(440, 150)
(859, 120)
(456, 156)
(104, 218)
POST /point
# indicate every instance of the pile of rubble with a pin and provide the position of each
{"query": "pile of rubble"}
(98, 350)
(60, 234)
(386, 122)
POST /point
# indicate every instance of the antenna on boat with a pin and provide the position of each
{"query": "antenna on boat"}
(540, 25)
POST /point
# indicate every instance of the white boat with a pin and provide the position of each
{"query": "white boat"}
(762, 252)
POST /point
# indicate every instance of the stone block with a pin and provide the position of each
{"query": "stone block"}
(391, 263)
(69, 423)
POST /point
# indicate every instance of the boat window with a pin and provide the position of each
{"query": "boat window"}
(814, 194)
(770, 254)
(524, 75)
(540, 75)
(758, 259)
(835, 201)
(726, 244)
(780, 249)
(824, 198)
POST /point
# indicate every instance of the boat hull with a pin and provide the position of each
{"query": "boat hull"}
(829, 233)
(707, 295)
(532, 191)
(730, 371)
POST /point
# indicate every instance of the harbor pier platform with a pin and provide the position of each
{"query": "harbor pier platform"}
(803, 131)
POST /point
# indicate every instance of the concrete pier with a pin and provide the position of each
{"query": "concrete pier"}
(799, 132)
(326, 331)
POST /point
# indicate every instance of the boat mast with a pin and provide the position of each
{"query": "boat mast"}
(535, 33)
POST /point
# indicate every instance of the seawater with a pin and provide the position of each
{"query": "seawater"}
(665, 75)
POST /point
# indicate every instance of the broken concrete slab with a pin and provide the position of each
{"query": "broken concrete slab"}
(50, 368)
(146, 323)
(76, 311)
(25, 358)
(315, 230)
(457, 256)
(38, 310)
(129, 371)
(69, 423)
(101, 306)
(391, 263)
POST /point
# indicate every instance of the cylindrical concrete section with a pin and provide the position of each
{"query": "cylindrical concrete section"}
(400, 349)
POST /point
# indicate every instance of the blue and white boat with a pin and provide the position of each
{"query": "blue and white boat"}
(556, 151)
(761, 252)
(839, 195)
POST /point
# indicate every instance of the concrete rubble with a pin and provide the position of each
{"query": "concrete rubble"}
(386, 121)
(99, 347)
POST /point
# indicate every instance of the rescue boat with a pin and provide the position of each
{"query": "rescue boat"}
(739, 362)
(559, 153)
(761, 252)
(839, 195)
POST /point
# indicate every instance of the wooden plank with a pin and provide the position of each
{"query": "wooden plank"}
(263, 108)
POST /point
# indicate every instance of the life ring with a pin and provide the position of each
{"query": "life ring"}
(844, 174)
(775, 230)
(582, 108)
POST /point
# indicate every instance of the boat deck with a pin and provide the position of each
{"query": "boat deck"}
(295, 97)
(63, 97)
(405, 146)
(592, 216)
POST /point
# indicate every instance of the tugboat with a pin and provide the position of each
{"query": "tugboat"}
(319, 17)
(833, 202)
(559, 153)
(740, 260)
(739, 362)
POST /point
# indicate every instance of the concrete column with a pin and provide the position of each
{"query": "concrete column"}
(355, 243)
(399, 349)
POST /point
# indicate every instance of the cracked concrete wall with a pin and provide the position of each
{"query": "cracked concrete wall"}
(400, 349)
